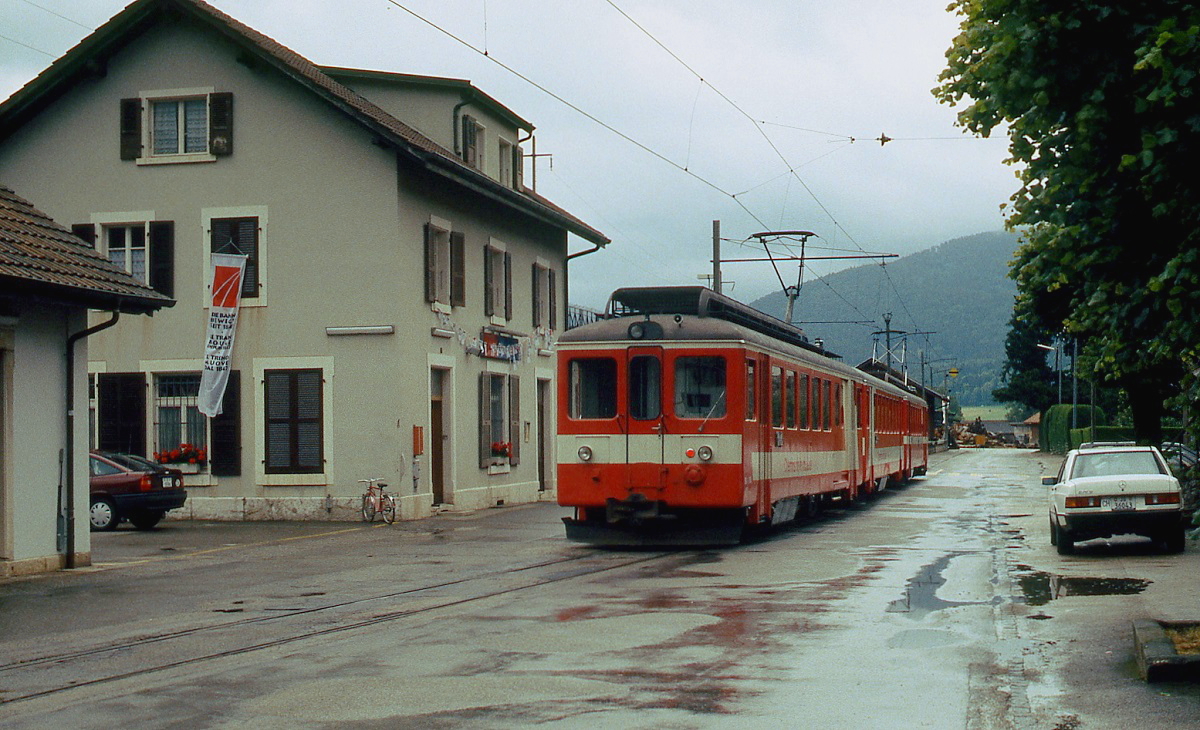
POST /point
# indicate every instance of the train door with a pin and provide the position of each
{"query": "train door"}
(756, 453)
(864, 412)
(645, 427)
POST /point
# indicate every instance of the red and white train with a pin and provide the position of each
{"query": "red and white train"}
(686, 417)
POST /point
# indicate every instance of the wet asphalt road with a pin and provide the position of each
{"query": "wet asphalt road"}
(939, 604)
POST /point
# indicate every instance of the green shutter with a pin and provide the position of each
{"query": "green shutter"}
(220, 124)
(162, 257)
(131, 129)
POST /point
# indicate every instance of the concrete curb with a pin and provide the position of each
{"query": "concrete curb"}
(1156, 657)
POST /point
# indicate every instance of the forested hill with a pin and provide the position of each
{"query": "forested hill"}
(959, 290)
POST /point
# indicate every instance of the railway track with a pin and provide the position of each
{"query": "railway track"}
(43, 675)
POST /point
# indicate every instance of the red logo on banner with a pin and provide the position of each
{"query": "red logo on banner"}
(227, 285)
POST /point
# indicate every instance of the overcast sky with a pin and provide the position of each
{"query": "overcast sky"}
(741, 111)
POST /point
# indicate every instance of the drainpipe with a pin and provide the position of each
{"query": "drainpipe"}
(70, 460)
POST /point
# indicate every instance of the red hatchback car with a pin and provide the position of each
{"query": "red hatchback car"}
(129, 487)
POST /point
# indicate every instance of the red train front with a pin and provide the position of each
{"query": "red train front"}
(695, 416)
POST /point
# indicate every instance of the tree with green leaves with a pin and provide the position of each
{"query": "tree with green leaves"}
(1101, 104)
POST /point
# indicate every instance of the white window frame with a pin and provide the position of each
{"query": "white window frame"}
(543, 269)
(496, 249)
(505, 164)
(157, 96)
(248, 211)
(127, 229)
(441, 229)
(480, 146)
(107, 221)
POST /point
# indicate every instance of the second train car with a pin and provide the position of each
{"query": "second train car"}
(686, 417)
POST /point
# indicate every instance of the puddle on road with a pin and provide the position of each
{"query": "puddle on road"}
(1040, 588)
(920, 593)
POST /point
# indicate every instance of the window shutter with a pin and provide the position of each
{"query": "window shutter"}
(518, 166)
(458, 270)
(537, 295)
(246, 238)
(514, 420)
(86, 232)
(430, 267)
(220, 124)
(310, 446)
(131, 129)
(470, 153)
(485, 420)
(278, 399)
(226, 429)
(122, 412)
(553, 324)
(489, 307)
(507, 285)
(295, 438)
(162, 257)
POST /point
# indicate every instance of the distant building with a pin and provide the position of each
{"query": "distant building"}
(49, 279)
(404, 288)
(1028, 432)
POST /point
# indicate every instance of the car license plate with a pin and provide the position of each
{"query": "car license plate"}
(1117, 504)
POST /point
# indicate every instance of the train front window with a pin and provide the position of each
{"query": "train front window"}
(645, 387)
(700, 387)
(593, 388)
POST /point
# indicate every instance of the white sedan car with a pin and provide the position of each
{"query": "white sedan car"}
(1115, 489)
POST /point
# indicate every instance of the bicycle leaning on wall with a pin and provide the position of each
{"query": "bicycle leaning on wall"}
(376, 501)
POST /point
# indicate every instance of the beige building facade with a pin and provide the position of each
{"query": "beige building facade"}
(403, 291)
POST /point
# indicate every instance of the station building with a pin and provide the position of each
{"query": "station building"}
(403, 291)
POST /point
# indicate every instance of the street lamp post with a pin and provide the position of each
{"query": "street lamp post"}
(1056, 350)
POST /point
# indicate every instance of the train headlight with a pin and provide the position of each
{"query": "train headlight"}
(585, 453)
(637, 331)
(705, 453)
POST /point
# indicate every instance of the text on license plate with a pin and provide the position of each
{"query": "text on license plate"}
(1117, 503)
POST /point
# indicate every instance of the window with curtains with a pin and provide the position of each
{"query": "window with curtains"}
(179, 125)
(126, 247)
(178, 422)
(499, 420)
(294, 421)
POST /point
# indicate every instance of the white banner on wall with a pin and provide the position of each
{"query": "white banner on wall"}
(227, 272)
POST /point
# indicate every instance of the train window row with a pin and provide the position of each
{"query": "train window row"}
(798, 400)
(698, 392)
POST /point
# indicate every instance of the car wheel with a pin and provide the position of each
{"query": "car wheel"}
(145, 520)
(1062, 540)
(103, 515)
(1053, 532)
(1175, 540)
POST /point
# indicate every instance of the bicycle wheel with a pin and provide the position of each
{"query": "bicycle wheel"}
(368, 508)
(387, 507)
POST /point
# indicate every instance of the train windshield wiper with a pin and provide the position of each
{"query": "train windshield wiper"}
(720, 399)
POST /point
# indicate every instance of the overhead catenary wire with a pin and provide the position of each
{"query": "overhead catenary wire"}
(577, 109)
(58, 15)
